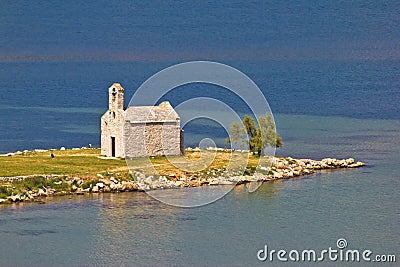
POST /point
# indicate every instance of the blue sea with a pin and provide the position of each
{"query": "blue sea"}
(330, 71)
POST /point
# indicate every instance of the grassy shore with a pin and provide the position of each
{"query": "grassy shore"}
(31, 175)
(32, 171)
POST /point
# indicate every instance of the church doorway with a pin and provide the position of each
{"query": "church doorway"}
(112, 146)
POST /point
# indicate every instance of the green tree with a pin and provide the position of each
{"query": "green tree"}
(251, 129)
(257, 137)
(236, 133)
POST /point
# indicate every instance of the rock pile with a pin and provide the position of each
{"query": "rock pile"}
(281, 168)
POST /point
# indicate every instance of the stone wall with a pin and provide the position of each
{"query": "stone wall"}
(152, 139)
(112, 123)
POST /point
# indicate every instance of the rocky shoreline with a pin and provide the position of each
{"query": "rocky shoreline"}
(54, 185)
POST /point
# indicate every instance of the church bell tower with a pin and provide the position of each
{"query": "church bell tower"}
(115, 97)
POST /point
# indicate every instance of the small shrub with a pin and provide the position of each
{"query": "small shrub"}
(90, 184)
(4, 192)
(34, 182)
(53, 183)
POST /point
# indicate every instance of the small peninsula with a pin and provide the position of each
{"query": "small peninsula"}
(35, 175)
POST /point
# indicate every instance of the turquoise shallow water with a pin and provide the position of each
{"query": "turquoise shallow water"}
(132, 229)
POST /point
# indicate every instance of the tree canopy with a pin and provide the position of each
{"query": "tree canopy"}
(256, 136)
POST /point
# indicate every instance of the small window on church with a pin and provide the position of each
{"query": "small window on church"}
(114, 115)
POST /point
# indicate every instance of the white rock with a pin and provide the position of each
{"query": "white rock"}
(213, 181)
(100, 185)
(140, 175)
(178, 183)
(225, 182)
(95, 189)
(14, 198)
(41, 192)
(100, 176)
(62, 148)
(123, 186)
(162, 179)
(329, 161)
(148, 180)
(355, 165)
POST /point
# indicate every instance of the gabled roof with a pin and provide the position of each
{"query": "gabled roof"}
(142, 114)
(117, 86)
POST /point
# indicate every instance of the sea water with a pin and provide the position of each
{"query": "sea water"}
(313, 212)
(333, 90)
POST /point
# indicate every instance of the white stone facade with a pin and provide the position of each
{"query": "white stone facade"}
(148, 130)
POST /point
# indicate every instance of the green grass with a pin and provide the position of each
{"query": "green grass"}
(83, 163)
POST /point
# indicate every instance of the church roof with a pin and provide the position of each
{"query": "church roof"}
(142, 114)
(117, 86)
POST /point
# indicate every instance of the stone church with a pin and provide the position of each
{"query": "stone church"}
(147, 130)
